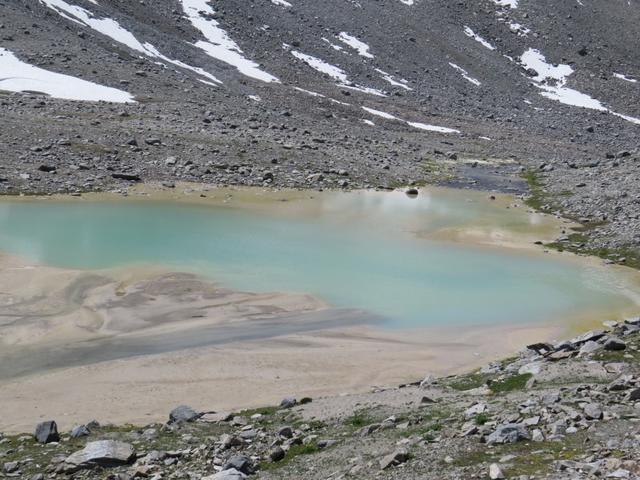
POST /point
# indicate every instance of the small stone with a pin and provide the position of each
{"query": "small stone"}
(326, 443)
(593, 411)
(537, 435)
(276, 454)
(495, 472)
(288, 402)
(286, 432)
(11, 467)
(398, 457)
(80, 431)
(47, 432)
(634, 395)
(614, 344)
(412, 192)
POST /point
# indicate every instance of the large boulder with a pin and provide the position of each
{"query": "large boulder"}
(231, 474)
(508, 433)
(240, 463)
(103, 453)
(47, 432)
(183, 413)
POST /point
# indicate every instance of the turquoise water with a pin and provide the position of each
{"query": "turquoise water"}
(351, 250)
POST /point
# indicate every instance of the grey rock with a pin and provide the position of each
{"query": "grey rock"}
(228, 441)
(230, 474)
(47, 432)
(593, 411)
(398, 457)
(614, 344)
(183, 413)
(326, 443)
(276, 454)
(288, 402)
(11, 467)
(103, 453)
(509, 433)
(590, 347)
(240, 463)
(80, 431)
(495, 472)
(286, 432)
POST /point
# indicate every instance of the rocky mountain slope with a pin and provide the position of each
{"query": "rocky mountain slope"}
(332, 94)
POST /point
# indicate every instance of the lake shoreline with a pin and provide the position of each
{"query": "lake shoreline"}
(123, 311)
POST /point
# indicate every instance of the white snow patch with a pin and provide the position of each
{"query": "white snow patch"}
(402, 83)
(418, 125)
(465, 74)
(518, 28)
(309, 92)
(379, 113)
(321, 66)
(470, 33)
(113, 30)
(333, 45)
(19, 76)
(339, 102)
(507, 3)
(360, 88)
(407, 2)
(334, 72)
(359, 46)
(281, 3)
(219, 45)
(485, 138)
(106, 26)
(535, 60)
(316, 94)
(369, 122)
(255, 98)
(432, 128)
(625, 78)
(551, 79)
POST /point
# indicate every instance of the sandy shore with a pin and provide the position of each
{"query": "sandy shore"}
(128, 346)
(144, 389)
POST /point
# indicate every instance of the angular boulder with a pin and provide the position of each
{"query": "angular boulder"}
(47, 432)
(231, 474)
(103, 453)
(183, 413)
(240, 463)
(80, 431)
(393, 459)
(509, 433)
(288, 402)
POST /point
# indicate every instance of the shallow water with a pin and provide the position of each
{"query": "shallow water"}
(368, 250)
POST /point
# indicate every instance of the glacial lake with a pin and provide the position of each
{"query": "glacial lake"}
(415, 262)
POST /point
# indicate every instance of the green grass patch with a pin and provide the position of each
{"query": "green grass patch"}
(469, 381)
(265, 411)
(538, 198)
(510, 384)
(359, 419)
(481, 419)
(293, 452)
(531, 458)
